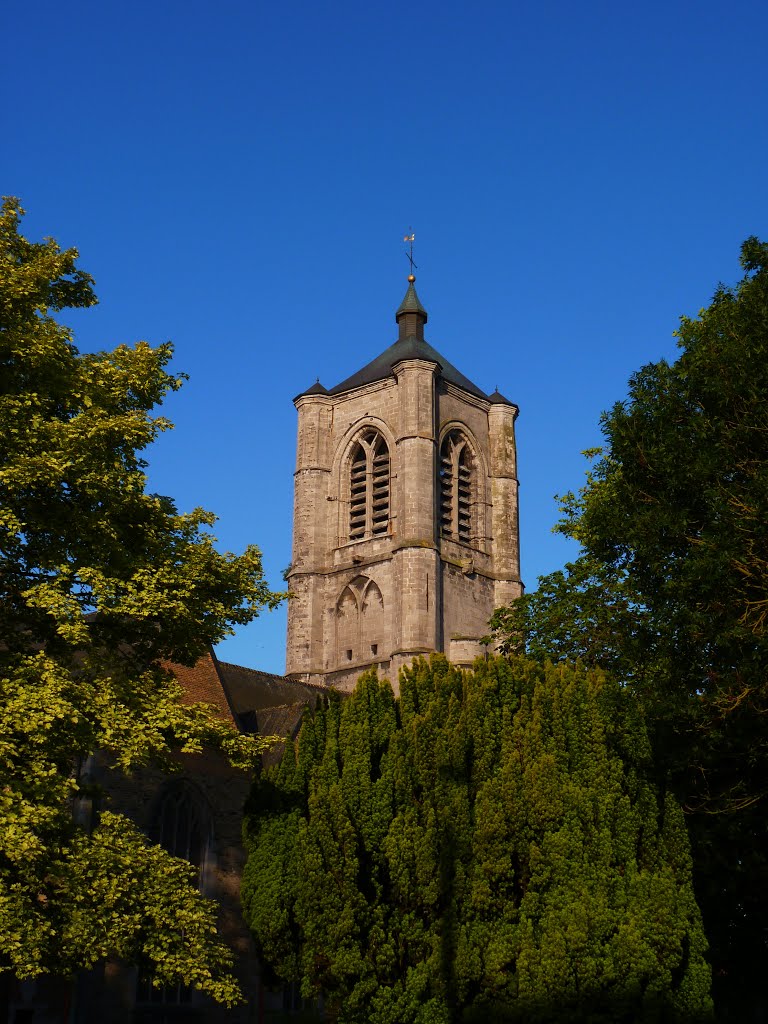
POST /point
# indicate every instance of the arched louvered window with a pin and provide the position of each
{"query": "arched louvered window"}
(369, 487)
(456, 488)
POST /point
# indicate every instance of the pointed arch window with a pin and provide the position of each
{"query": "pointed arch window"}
(182, 827)
(369, 486)
(457, 486)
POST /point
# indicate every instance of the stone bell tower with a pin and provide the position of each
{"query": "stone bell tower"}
(405, 522)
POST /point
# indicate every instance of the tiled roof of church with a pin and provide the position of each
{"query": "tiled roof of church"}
(252, 690)
(268, 704)
(411, 317)
(202, 683)
(251, 700)
(283, 722)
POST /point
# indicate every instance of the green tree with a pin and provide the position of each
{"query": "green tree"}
(102, 585)
(670, 594)
(586, 611)
(487, 847)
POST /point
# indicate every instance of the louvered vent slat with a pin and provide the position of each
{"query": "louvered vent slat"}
(456, 478)
(446, 503)
(464, 496)
(357, 494)
(369, 487)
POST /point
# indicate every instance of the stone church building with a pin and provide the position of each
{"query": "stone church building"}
(405, 529)
(405, 540)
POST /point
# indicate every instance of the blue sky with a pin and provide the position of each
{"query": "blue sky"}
(238, 178)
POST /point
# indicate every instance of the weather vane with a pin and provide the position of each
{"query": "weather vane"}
(411, 238)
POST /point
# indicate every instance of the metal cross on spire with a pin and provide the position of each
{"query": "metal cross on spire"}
(411, 238)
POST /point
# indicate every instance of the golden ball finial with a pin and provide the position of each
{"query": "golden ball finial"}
(411, 278)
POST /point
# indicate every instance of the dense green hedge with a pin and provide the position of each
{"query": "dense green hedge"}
(487, 847)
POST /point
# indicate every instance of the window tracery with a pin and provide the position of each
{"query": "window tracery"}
(369, 486)
(457, 485)
(182, 827)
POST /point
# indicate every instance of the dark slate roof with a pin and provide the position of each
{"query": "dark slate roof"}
(411, 304)
(316, 389)
(498, 399)
(251, 690)
(409, 348)
(283, 722)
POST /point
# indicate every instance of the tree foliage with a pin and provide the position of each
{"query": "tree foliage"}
(102, 584)
(670, 594)
(675, 549)
(486, 847)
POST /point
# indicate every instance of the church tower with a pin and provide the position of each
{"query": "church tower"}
(405, 523)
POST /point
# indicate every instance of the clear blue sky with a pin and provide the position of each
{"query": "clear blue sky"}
(238, 178)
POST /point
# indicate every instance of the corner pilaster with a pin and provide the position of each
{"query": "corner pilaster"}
(416, 560)
(311, 524)
(505, 525)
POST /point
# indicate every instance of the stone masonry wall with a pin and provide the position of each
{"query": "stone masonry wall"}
(435, 591)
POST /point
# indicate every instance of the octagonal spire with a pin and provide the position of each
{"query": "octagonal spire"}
(411, 315)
